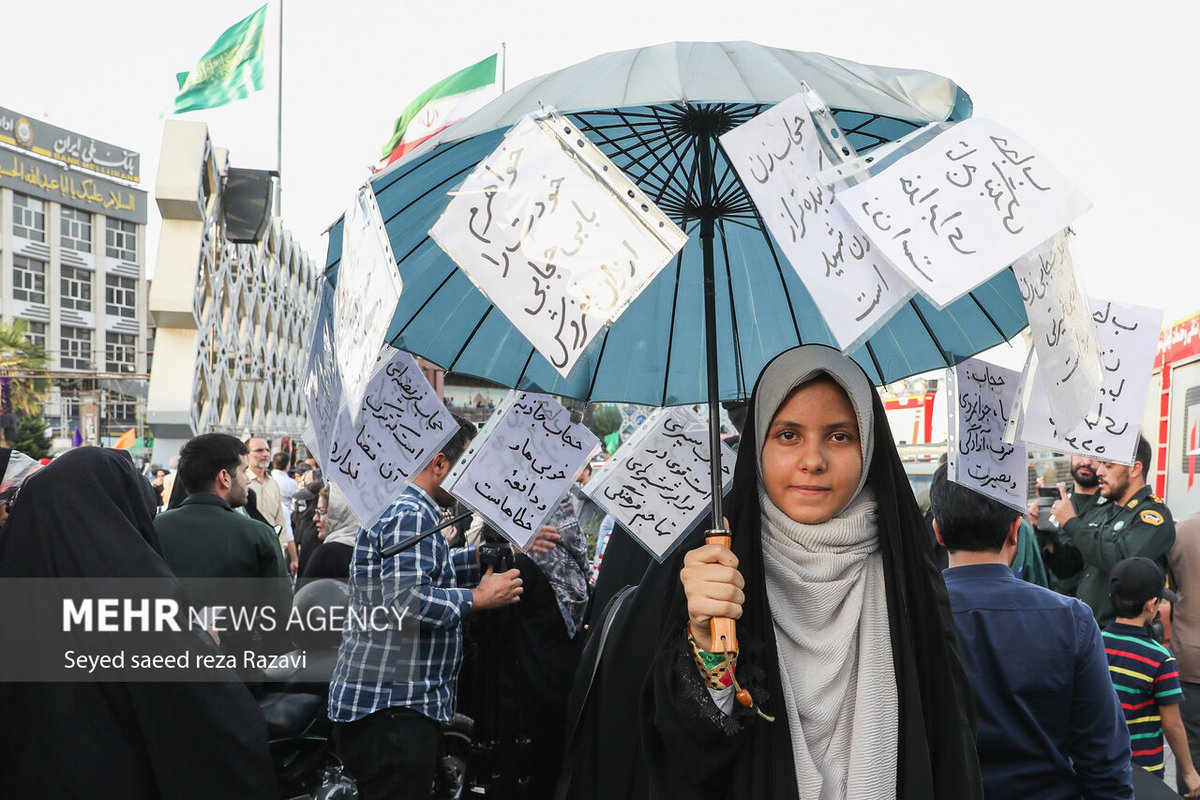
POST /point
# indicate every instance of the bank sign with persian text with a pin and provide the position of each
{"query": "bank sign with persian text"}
(54, 182)
(50, 141)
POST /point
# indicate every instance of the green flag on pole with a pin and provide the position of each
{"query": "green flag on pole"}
(232, 68)
(612, 442)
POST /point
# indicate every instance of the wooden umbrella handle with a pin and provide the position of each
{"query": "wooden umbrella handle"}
(724, 630)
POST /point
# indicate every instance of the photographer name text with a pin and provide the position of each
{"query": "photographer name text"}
(185, 660)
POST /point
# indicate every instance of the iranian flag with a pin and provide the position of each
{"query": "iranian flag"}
(442, 105)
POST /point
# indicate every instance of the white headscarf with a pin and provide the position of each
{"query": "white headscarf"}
(341, 523)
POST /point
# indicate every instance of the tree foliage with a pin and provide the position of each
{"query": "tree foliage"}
(606, 418)
(31, 437)
(18, 354)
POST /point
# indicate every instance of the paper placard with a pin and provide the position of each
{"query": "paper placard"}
(322, 383)
(1060, 322)
(555, 236)
(979, 458)
(961, 208)
(1128, 341)
(368, 288)
(778, 156)
(401, 426)
(659, 483)
(521, 464)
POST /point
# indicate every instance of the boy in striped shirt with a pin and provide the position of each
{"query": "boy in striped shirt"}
(1143, 671)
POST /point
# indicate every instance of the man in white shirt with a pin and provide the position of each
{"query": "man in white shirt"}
(269, 497)
(287, 484)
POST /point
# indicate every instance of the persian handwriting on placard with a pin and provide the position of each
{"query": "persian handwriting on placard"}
(943, 194)
(368, 288)
(555, 236)
(980, 457)
(552, 421)
(339, 456)
(988, 378)
(793, 136)
(400, 426)
(1063, 326)
(661, 486)
(985, 478)
(1126, 336)
(1086, 446)
(956, 210)
(984, 416)
(780, 170)
(917, 190)
(519, 208)
(389, 438)
(519, 515)
(523, 461)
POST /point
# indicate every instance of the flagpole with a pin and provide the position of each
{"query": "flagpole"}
(503, 67)
(279, 122)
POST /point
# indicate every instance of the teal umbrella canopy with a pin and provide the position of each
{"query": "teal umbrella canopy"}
(655, 112)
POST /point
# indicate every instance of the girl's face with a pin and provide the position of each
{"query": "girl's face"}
(811, 455)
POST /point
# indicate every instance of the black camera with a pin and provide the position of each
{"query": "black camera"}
(495, 552)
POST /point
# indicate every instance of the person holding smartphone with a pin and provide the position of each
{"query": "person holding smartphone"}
(1133, 522)
(1061, 557)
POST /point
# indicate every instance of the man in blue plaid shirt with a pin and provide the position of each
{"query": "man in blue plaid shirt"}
(393, 687)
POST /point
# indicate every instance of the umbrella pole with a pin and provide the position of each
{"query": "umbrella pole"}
(724, 632)
(707, 230)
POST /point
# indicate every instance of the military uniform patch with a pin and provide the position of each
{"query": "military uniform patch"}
(1151, 517)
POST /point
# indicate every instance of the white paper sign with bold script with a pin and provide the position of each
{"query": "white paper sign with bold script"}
(964, 206)
(1060, 322)
(659, 483)
(985, 396)
(521, 464)
(778, 157)
(401, 426)
(1109, 430)
(368, 287)
(555, 236)
(322, 383)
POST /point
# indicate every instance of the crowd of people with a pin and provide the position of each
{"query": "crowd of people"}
(1052, 665)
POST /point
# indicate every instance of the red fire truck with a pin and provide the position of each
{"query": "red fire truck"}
(1172, 419)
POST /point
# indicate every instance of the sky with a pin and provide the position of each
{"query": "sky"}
(1102, 91)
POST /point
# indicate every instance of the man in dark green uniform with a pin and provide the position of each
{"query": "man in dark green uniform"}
(205, 538)
(1132, 523)
(1062, 558)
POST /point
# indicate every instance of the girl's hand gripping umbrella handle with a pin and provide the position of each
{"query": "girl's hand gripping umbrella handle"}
(724, 630)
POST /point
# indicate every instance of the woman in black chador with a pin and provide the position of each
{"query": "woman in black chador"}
(844, 628)
(88, 517)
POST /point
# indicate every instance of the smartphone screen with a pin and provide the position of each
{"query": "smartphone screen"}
(1047, 497)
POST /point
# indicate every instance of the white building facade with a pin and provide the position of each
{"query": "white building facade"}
(73, 267)
(232, 312)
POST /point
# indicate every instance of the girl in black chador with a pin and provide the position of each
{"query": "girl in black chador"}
(846, 637)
